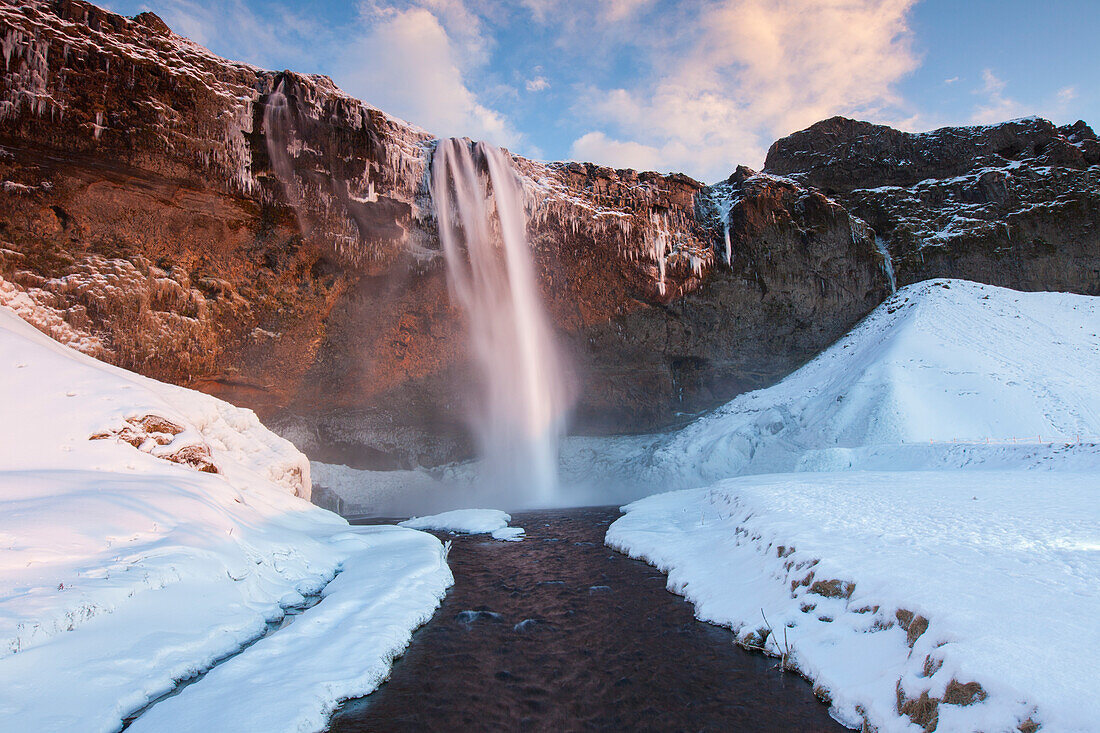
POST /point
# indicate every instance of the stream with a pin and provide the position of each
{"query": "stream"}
(559, 632)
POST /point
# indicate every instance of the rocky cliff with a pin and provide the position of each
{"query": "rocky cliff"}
(1015, 204)
(264, 237)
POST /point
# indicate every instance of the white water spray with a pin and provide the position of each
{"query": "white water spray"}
(482, 226)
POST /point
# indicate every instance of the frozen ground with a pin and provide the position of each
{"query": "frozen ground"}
(469, 521)
(959, 581)
(180, 534)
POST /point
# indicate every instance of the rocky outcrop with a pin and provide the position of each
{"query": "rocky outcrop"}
(1015, 204)
(262, 236)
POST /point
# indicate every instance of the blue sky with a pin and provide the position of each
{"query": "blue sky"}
(695, 86)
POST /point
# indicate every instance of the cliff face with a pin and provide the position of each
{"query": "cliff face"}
(1015, 204)
(264, 237)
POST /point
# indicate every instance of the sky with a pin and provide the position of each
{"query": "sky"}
(692, 86)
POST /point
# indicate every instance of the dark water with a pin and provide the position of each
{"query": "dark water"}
(560, 633)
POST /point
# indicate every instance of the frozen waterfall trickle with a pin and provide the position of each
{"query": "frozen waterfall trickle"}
(482, 226)
(887, 263)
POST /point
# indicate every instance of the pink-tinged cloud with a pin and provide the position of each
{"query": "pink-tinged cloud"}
(747, 71)
(408, 65)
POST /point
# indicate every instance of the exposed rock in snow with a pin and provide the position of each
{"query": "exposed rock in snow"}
(148, 531)
(963, 598)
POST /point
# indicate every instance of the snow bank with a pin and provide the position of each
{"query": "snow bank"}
(926, 592)
(998, 569)
(387, 588)
(148, 531)
(469, 521)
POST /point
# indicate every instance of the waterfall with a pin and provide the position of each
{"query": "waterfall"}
(887, 263)
(519, 418)
(278, 129)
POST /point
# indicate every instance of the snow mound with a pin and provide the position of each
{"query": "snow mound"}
(940, 362)
(148, 531)
(508, 534)
(469, 521)
(977, 587)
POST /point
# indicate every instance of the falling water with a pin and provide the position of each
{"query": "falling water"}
(887, 263)
(278, 129)
(482, 226)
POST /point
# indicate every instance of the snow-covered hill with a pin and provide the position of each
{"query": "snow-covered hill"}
(940, 365)
(839, 522)
(147, 531)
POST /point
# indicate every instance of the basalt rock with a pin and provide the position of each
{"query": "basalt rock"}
(1015, 204)
(264, 237)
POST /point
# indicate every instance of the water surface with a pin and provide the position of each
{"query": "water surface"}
(560, 633)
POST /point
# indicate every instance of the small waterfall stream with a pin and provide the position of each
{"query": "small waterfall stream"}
(518, 421)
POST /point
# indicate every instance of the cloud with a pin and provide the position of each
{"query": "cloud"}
(538, 84)
(742, 72)
(408, 64)
(620, 9)
(952, 80)
(995, 107)
(464, 28)
(596, 147)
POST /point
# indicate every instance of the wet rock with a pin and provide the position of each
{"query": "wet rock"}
(469, 618)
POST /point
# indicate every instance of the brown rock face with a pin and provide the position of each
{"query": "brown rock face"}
(264, 237)
(1015, 204)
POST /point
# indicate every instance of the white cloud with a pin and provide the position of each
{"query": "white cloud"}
(747, 71)
(995, 107)
(950, 81)
(596, 147)
(407, 64)
(620, 9)
(538, 84)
